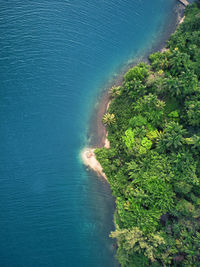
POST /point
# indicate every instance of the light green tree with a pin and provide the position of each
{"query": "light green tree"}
(109, 118)
(129, 139)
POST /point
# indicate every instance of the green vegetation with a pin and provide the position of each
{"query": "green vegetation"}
(153, 165)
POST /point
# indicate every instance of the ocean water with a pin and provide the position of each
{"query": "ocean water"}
(55, 58)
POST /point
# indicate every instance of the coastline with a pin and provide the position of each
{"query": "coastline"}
(90, 160)
(150, 141)
(97, 132)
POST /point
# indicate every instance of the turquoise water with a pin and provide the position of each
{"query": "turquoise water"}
(55, 58)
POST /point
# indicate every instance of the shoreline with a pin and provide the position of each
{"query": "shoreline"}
(89, 159)
(98, 132)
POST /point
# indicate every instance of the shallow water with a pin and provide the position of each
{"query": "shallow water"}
(55, 58)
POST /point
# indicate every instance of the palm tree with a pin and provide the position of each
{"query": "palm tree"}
(172, 138)
(109, 119)
(194, 141)
(115, 91)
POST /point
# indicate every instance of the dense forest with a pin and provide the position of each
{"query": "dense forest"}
(153, 164)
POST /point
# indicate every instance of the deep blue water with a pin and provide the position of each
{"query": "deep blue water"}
(55, 58)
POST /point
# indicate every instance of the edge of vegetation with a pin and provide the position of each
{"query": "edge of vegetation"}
(153, 164)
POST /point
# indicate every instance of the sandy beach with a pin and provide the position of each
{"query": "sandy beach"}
(89, 159)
